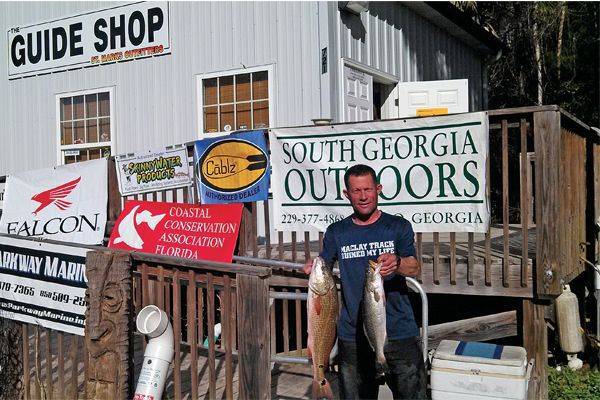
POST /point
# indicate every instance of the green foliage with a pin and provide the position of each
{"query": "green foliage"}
(573, 385)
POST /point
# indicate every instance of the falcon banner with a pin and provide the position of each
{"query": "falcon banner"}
(433, 171)
(43, 283)
(66, 203)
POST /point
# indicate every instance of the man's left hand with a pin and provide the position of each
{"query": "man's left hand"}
(389, 263)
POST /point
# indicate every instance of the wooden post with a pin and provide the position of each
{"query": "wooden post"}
(535, 341)
(254, 354)
(546, 129)
(108, 325)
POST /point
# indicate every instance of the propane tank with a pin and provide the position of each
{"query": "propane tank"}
(569, 327)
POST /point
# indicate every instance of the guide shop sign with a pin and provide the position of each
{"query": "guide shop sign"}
(233, 169)
(43, 283)
(207, 232)
(153, 170)
(118, 33)
(433, 171)
(66, 203)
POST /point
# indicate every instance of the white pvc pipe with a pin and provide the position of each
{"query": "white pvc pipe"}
(154, 323)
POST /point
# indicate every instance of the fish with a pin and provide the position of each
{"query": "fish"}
(373, 313)
(322, 321)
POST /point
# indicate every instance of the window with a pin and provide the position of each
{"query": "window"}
(235, 101)
(85, 125)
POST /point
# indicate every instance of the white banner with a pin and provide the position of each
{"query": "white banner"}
(66, 203)
(153, 170)
(433, 171)
(43, 283)
(118, 33)
(2, 186)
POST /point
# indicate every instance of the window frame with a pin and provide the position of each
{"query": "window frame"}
(60, 158)
(219, 74)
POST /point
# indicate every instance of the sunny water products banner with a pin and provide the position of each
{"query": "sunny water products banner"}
(66, 203)
(207, 232)
(153, 170)
(233, 168)
(43, 283)
(433, 171)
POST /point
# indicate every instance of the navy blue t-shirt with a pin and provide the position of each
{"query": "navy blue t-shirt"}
(352, 246)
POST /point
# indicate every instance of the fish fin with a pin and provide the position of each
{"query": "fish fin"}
(376, 296)
(309, 351)
(322, 390)
(318, 305)
(381, 369)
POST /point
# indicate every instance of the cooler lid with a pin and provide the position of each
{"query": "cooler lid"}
(486, 353)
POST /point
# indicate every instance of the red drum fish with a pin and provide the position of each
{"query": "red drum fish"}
(322, 321)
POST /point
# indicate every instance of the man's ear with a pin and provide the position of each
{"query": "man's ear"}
(346, 194)
(379, 188)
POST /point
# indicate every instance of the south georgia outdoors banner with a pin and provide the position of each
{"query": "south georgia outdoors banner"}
(433, 171)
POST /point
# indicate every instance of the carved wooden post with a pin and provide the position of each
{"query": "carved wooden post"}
(109, 326)
(254, 355)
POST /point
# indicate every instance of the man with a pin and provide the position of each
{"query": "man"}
(370, 234)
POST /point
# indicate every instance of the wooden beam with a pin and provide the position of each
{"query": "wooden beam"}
(107, 327)
(535, 341)
(546, 130)
(488, 327)
(254, 352)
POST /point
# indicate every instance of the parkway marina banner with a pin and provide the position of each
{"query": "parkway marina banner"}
(43, 283)
(433, 171)
(116, 33)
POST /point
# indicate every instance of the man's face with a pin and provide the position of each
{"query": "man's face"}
(363, 194)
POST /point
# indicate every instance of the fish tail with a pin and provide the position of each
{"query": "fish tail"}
(322, 389)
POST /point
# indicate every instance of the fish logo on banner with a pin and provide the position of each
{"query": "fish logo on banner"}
(233, 168)
(66, 203)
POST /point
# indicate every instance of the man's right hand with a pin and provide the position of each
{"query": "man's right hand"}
(308, 265)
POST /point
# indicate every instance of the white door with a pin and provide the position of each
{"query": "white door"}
(433, 97)
(358, 95)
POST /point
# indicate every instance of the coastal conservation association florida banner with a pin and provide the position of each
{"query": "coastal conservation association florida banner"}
(153, 170)
(43, 283)
(433, 171)
(202, 232)
(233, 169)
(66, 203)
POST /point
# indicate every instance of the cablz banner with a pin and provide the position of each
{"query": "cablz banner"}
(153, 170)
(179, 230)
(433, 171)
(118, 33)
(66, 203)
(43, 283)
(233, 169)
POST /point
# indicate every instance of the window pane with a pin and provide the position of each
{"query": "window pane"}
(243, 116)
(92, 130)
(261, 114)
(78, 107)
(79, 131)
(66, 109)
(94, 154)
(91, 105)
(104, 108)
(83, 155)
(70, 159)
(210, 91)
(104, 129)
(242, 87)
(226, 117)
(226, 89)
(210, 119)
(66, 134)
(260, 85)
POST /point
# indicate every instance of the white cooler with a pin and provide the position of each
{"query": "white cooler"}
(472, 370)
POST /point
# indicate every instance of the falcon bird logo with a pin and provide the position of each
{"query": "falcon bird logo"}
(56, 196)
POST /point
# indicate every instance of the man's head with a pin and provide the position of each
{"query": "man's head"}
(362, 190)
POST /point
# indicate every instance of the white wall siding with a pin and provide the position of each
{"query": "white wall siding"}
(155, 98)
(394, 39)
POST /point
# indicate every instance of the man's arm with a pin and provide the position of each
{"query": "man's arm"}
(405, 266)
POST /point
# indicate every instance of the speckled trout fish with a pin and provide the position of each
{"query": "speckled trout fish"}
(322, 320)
(374, 314)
